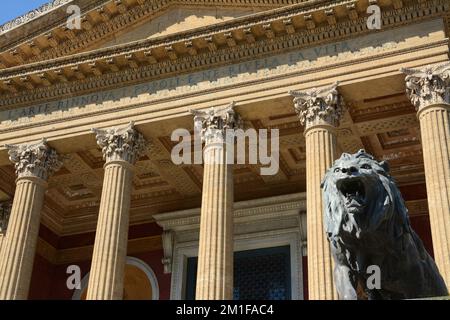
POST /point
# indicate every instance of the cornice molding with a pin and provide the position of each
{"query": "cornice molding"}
(222, 56)
(100, 19)
(171, 40)
(39, 22)
(31, 15)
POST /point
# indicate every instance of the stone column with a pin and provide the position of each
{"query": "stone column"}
(429, 90)
(319, 111)
(34, 164)
(5, 211)
(121, 148)
(215, 256)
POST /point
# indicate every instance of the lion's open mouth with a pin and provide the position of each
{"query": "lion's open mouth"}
(353, 191)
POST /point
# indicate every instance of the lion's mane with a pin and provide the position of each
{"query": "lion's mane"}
(367, 224)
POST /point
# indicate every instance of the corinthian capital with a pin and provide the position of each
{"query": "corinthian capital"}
(34, 160)
(428, 86)
(318, 106)
(121, 144)
(213, 123)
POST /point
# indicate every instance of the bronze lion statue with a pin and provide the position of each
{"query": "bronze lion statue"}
(367, 224)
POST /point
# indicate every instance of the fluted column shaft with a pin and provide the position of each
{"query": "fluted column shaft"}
(34, 164)
(319, 111)
(1, 246)
(429, 91)
(5, 210)
(121, 148)
(320, 155)
(110, 248)
(435, 132)
(19, 245)
(215, 256)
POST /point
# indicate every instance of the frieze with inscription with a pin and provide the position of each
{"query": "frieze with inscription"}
(222, 77)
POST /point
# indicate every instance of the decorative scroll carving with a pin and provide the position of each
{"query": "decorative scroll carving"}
(213, 123)
(5, 211)
(428, 86)
(318, 106)
(121, 144)
(167, 242)
(36, 160)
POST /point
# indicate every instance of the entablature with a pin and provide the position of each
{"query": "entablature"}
(43, 34)
(299, 26)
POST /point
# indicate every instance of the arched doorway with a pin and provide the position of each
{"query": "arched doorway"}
(140, 282)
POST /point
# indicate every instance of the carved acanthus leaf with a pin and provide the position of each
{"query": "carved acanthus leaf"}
(121, 144)
(36, 160)
(429, 85)
(213, 123)
(316, 106)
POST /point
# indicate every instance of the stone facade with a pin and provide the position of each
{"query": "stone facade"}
(312, 70)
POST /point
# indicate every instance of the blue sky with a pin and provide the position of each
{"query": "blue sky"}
(11, 9)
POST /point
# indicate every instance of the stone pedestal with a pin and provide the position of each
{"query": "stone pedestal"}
(121, 148)
(215, 257)
(429, 92)
(34, 164)
(319, 111)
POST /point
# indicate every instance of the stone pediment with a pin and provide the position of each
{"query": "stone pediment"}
(42, 34)
(178, 19)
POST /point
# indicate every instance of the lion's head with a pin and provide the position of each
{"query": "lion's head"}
(360, 198)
